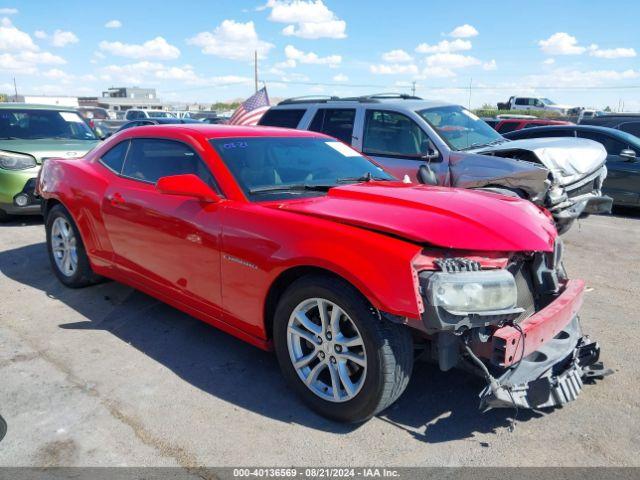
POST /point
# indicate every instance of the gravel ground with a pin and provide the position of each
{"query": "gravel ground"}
(107, 376)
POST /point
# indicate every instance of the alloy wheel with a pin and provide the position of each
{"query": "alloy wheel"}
(63, 246)
(326, 350)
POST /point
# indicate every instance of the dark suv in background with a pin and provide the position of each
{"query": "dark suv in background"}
(445, 144)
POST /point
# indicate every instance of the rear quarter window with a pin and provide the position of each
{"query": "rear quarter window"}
(286, 118)
(114, 158)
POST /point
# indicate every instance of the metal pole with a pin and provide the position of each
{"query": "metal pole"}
(15, 89)
(255, 68)
(413, 89)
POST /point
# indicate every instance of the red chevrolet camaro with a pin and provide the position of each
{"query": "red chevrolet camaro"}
(294, 241)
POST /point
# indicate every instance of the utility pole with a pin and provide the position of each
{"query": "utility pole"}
(470, 84)
(255, 68)
(15, 89)
(413, 89)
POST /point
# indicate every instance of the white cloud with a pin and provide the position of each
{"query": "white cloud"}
(131, 73)
(464, 31)
(8, 11)
(611, 53)
(306, 19)
(158, 48)
(561, 43)
(549, 61)
(295, 55)
(12, 39)
(451, 60)
(397, 56)
(27, 62)
(113, 24)
(394, 69)
(445, 46)
(233, 40)
(40, 34)
(57, 74)
(341, 77)
(490, 65)
(61, 38)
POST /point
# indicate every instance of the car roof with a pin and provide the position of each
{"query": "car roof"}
(33, 106)
(208, 130)
(396, 103)
(583, 128)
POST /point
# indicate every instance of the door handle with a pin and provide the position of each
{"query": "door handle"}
(116, 200)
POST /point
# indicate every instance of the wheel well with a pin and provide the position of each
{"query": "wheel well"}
(280, 285)
(48, 205)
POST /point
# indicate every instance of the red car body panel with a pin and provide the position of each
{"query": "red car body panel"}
(423, 214)
(539, 327)
(218, 261)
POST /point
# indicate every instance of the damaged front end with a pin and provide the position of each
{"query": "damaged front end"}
(514, 321)
(576, 173)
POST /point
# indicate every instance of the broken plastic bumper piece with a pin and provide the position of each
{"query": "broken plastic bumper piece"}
(551, 376)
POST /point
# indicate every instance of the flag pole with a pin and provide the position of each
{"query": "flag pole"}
(255, 68)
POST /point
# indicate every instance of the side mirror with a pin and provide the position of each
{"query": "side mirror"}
(426, 175)
(429, 152)
(188, 185)
(628, 154)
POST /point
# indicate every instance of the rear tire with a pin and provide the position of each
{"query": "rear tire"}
(370, 356)
(4, 216)
(67, 254)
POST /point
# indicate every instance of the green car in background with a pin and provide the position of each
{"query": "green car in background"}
(29, 134)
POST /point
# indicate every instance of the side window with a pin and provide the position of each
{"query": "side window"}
(611, 145)
(522, 101)
(392, 134)
(631, 127)
(508, 127)
(151, 159)
(114, 158)
(336, 122)
(286, 118)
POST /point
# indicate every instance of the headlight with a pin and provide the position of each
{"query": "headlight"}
(16, 161)
(473, 292)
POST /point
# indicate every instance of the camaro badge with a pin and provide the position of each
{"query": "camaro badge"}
(240, 261)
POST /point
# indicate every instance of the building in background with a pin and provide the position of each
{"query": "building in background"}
(124, 98)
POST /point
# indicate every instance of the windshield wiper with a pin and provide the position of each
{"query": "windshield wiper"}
(480, 144)
(295, 187)
(367, 177)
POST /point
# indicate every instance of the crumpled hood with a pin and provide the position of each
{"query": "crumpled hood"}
(47, 148)
(569, 159)
(444, 217)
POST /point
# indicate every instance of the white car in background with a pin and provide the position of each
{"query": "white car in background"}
(140, 114)
(534, 103)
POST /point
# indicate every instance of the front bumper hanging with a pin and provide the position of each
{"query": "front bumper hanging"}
(551, 376)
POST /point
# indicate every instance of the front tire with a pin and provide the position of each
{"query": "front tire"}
(344, 360)
(4, 216)
(67, 254)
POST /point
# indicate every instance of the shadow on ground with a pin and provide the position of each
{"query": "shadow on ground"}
(437, 407)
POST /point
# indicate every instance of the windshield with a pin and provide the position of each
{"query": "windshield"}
(268, 168)
(460, 128)
(35, 124)
(153, 114)
(546, 101)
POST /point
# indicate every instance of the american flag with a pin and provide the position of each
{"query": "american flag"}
(250, 111)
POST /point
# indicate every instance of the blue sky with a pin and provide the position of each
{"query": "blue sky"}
(574, 52)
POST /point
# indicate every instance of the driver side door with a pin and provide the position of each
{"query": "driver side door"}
(166, 243)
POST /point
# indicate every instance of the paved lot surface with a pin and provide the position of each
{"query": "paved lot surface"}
(109, 376)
